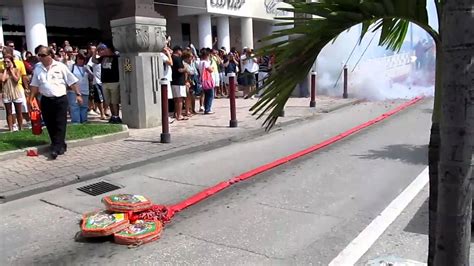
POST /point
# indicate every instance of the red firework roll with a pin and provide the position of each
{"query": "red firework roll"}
(98, 224)
(140, 232)
(127, 203)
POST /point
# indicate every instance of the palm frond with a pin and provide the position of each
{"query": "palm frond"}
(308, 36)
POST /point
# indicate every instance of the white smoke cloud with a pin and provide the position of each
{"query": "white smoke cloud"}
(374, 79)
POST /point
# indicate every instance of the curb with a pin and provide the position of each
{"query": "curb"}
(166, 155)
(337, 107)
(71, 144)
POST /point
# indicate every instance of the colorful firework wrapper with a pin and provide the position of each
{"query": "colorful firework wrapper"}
(140, 232)
(127, 203)
(103, 223)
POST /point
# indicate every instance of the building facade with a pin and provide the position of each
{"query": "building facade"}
(232, 23)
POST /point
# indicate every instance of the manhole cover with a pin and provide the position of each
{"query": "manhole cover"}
(98, 188)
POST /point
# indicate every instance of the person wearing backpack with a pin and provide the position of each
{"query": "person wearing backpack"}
(207, 82)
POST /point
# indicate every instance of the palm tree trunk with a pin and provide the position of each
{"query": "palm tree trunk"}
(453, 227)
(433, 156)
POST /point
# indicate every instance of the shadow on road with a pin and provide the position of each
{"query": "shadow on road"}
(412, 154)
(419, 223)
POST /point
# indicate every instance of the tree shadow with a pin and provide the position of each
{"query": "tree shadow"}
(412, 154)
(420, 221)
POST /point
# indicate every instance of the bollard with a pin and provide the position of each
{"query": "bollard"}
(312, 103)
(344, 95)
(165, 125)
(233, 112)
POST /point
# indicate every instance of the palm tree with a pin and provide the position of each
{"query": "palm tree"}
(457, 135)
(309, 35)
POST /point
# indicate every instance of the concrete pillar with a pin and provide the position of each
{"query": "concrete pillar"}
(35, 23)
(205, 31)
(246, 27)
(223, 33)
(139, 38)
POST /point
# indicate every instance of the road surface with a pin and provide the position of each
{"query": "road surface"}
(306, 211)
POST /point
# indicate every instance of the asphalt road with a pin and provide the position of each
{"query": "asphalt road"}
(304, 212)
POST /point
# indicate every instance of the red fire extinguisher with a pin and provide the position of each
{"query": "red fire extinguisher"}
(35, 116)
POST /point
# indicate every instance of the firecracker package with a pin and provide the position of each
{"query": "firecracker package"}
(127, 203)
(103, 223)
(140, 232)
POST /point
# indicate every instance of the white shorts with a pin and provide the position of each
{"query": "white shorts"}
(24, 104)
(216, 78)
(5, 100)
(178, 91)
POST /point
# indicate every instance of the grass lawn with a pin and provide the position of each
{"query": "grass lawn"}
(24, 139)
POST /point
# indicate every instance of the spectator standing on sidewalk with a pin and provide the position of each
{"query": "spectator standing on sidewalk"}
(178, 84)
(166, 56)
(215, 62)
(11, 93)
(23, 85)
(189, 81)
(51, 79)
(16, 53)
(96, 69)
(231, 65)
(207, 82)
(78, 110)
(110, 78)
(249, 68)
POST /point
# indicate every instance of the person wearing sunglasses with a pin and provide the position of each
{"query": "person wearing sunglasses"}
(51, 79)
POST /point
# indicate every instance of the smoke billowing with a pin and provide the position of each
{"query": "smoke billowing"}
(376, 73)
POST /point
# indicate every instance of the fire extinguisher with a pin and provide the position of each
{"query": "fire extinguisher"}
(35, 116)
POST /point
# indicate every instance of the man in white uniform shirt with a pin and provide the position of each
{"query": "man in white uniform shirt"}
(50, 79)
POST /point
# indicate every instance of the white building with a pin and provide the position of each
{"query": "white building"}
(235, 23)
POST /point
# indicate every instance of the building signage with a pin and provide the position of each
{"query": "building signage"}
(229, 4)
(271, 7)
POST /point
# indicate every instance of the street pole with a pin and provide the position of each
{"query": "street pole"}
(312, 103)
(165, 125)
(345, 95)
(233, 112)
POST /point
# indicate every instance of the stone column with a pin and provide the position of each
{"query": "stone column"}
(139, 37)
(205, 31)
(246, 27)
(223, 32)
(35, 23)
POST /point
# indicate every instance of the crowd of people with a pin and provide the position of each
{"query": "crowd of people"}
(200, 76)
(194, 76)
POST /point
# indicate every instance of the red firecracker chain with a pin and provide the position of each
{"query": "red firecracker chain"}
(165, 213)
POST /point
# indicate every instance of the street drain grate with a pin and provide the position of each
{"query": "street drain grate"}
(98, 188)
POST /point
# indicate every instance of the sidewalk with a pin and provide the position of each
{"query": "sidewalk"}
(29, 175)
